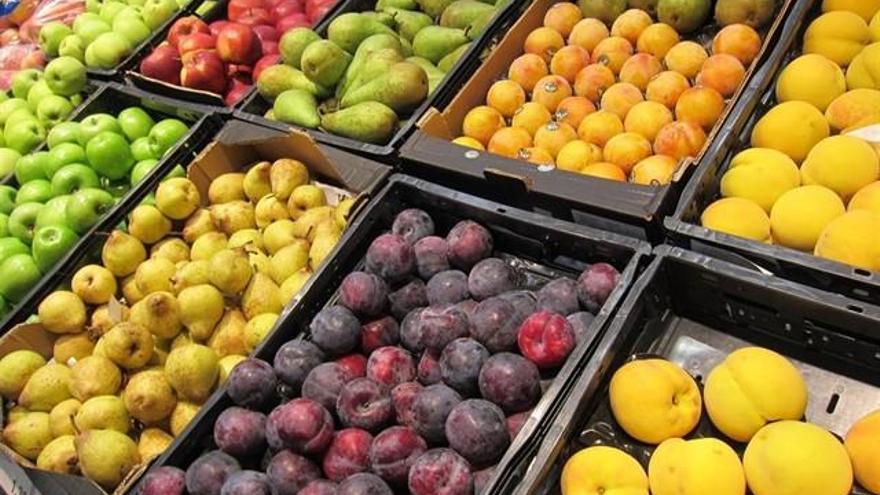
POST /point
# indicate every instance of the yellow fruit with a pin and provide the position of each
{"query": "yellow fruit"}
(865, 8)
(839, 35)
(647, 118)
(864, 71)
(599, 127)
(811, 78)
(695, 467)
(852, 108)
(737, 216)
(481, 122)
(469, 142)
(654, 170)
(750, 388)
(874, 27)
(793, 128)
(863, 445)
(577, 154)
(627, 149)
(843, 164)
(852, 238)
(868, 198)
(761, 175)
(603, 470)
(686, 58)
(800, 215)
(654, 399)
(795, 458)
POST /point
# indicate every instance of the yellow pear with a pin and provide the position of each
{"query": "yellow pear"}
(94, 376)
(122, 253)
(29, 435)
(106, 456)
(149, 397)
(130, 290)
(192, 371)
(75, 346)
(201, 307)
(59, 456)
(197, 224)
(226, 364)
(256, 182)
(305, 197)
(258, 260)
(286, 175)
(246, 238)
(288, 260)
(233, 216)
(343, 211)
(261, 296)
(173, 248)
(183, 413)
(207, 244)
(152, 442)
(188, 274)
(177, 198)
(321, 248)
(94, 284)
(292, 284)
(61, 418)
(158, 312)
(227, 187)
(257, 328)
(15, 413)
(104, 412)
(277, 235)
(62, 312)
(148, 224)
(16, 369)
(181, 340)
(154, 275)
(230, 270)
(229, 337)
(307, 224)
(103, 318)
(129, 345)
(46, 387)
(269, 209)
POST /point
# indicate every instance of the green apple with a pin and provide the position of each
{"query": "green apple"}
(109, 10)
(31, 167)
(18, 275)
(53, 110)
(23, 80)
(65, 76)
(89, 29)
(93, 6)
(165, 134)
(141, 169)
(8, 159)
(22, 220)
(35, 191)
(9, 106)
(107, 50)
(4, 95)
(64, 154)
(72, 178)
(20, 115)
(76, 100)
(158, 11)
(177, 171)
(85, 18)
(38, 91)
(51, 35)
(149, 199)
(135, 123)
(54, 212)
(86, 207)
(141, 150)
(133, 28)
(7, 199)
(4, 225)
(10, 246)
(95, 124)
(25, 136)
(51, 244)
(65, 132)
(73, 46)
(131, 11)
(110, 155)
(118, 188)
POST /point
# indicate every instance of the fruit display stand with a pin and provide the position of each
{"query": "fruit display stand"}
(625, 207)
(112, 98)
(694, 310)
(538, 247)
(684, 226)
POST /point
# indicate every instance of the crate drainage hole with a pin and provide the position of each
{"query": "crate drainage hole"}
(832, 404)
(853, 307)
(501, 210)
(863, 273)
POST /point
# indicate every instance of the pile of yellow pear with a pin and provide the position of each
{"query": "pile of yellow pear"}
(144, 338)
(756, 397)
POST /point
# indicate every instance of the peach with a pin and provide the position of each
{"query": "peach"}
(639, 69)
(587, 33)
(700, 105)
(562, 17)
(577, 154)
(686, 58)
(481, 123)
(531, 116)
(526, 70)
(568, 61)
(599, 127)
(509, 140)
(723, 73)
(536, 156)
(647, 118)
(654, 170)
(592, 81)
(469, 142)
(657, 39)
(506, 96)
(863, 445)
(612, 52)
(627, 149)
(666, 88)
(620, 98)
(553, 136)
(631, 24)
(739, 40)
(550, 91)
(679, 140)
(544, 42)
(573, 109)
(605, 170)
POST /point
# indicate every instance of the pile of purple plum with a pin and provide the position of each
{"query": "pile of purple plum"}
(417, 379)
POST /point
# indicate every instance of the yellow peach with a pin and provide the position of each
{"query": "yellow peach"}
(863, 445)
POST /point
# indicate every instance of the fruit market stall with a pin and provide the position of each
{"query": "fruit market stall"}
(793, 189)
(198, 275)
(573, 95)
(388, 409)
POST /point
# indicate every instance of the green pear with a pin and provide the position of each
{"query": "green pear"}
(46, 387)
(434, 8)
(461, 13)
(15, 370)
(230, 271)
(59, 456)
(387, 5)
(435, 42)
(476, 27)
(277, 79)
(324, 62)
(381, 17)
(29, 435)
(192, 370)
(106, 456)
(409, 23)
(129, 345)
(261, 296)
(350, 29)
(370, 122)
(149, 397)
(94, 376)
(370, 45)
(448, 62)
(435, 75)
(104, 412)
(201, 307)
(61, 417)
(294, 42)
(158, 312)
(229, 337)
(402, 88)
(377, 64)
(297, 107)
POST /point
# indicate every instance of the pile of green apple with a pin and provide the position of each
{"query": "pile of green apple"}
(64, 191)
(181, 296)
(108, 31)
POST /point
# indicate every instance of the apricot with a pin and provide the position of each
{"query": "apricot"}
(700, 105)
(799, 216)
(723, 73)
(469, 142)
(527, 70)
(760, 174)
(536, 156)
(666, 87)
(506, 96)
(631, 24)
(562, 17)
(811, 78)
(739, 40)
(792, 127)
(550, 91)
(577, 154)
(639, 69)
(686, 58)
(509, 140)
(612, 52)
(863, 445)
(544, 42)
(553, 136)
(647, 118)
(604, 170)
(695, 467)
(680, 140)
(599, 127)
(839, 35)
(627, 149)
(481, 123)
(844, 164)
(852, 238)
(737, 216)
(853, 108)
(657, 39)
(602, 469)
(654, 170)
(573, 109)
(531, 116)
(592, 81)
(620, 98)
(867, 198)
(568, 61)
(587, 33)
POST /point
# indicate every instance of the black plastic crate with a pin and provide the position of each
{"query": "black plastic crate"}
(693, 310)
(683, 226)
(113, 98)
(542, 248)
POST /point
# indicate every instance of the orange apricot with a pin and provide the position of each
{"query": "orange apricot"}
(612, 52)
(647, 118)
(723, 73)
(553, 136)
(506, 96)
(587, 33)
(481, 123)
(544, 42)
(657, 39)
(562, 17)
(599, 127)
(679, 140)
(604, 170)
(469, 142)
(573, 109)
(700, 105)
(592, 81)
(631, 24)
(526, 70)
(531, 116)
(739, 40)
(666, 88)
(550, 91)
(654, 170)
(620, 98)
(508, 141)
(627, 149)
(536, 156)
(686, 58)
(577, 154)
(639, 69)
(568, 61)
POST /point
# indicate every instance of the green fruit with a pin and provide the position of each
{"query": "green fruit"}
(141, 149)
(686, 16)
(9, 158)
(25, 136)
(165, 134)
(18, 275)
(135, 123)
(54, 212)
(297, 107)
(53, 110)
(31, 167)
(51, 35)
(86, 207)
(73, 46)
(10, 246)
(604, 10)
(7, 199)
(95, 124)
(23, 80)
(4, 225)
(65, 132)
(294, 42)
(35, 191)
(64, 154)
(72, 178)
(9, 106)
(22, 221)
(110, 155)
(141, 169)
(51, 244)
(65, 76)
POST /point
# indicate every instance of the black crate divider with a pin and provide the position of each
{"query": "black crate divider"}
(518, 232)
(113, 98)
(683, 225)
(684, 288)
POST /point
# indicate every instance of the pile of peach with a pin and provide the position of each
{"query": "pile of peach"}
(629, 102)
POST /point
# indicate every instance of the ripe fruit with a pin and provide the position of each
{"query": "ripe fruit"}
(610, 469)
(799, 216)
(811, 78)
(691, 467)
(686, 58)
(481, 123)
(506, 96)
(737, 216)
(861, 444)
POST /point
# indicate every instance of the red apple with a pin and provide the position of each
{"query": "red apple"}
(216, 26)
(195, 41)
(285, 24)
(266, 33)
(236, 92)
(287, 7)
(163, 64)
(238, 44)
(250, 12)
(265, 61)
(238, 71)
(203, 69)
(269, 47)
(186, 26)
(315, 9)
